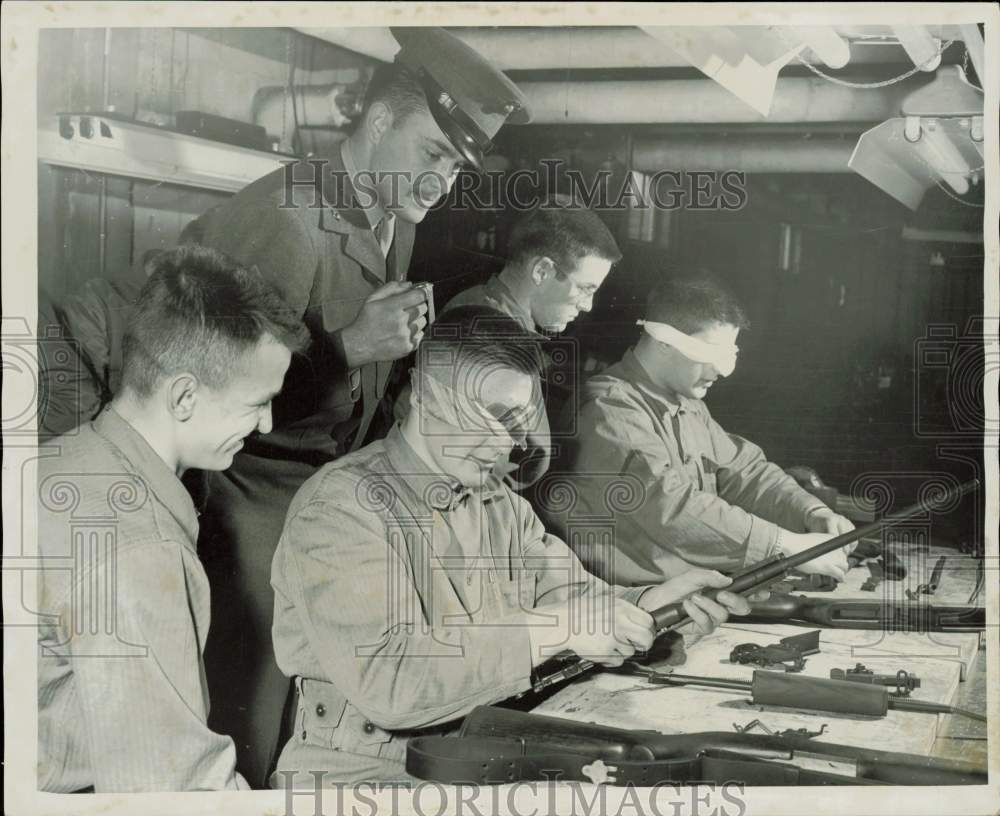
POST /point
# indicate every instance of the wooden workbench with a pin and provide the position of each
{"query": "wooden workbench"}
(941, 661)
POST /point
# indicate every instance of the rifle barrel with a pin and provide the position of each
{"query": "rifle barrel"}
(673, 615)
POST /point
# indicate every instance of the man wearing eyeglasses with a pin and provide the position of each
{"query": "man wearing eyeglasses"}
(411, 584)
(558, 256)
(711, 499)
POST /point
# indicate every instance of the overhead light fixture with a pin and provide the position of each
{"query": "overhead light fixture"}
(743, 60)
(920, 46)
(932, 143)
(938, 138)
(832, 49)
(746, 60)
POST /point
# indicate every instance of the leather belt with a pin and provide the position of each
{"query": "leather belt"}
(488, 761)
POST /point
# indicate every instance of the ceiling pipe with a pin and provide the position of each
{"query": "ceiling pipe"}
(745, 154)
(703, 101)
(540, 49)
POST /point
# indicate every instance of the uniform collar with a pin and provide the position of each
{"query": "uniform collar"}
(435, 490)
(501, 292)
(672, 403)
(375, 213)
(159, 478)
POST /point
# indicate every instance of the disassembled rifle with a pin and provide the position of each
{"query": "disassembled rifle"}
(932, 584)
(789, 653)
(811, 693)
(903, 681)
(673, 616)
(500, 745)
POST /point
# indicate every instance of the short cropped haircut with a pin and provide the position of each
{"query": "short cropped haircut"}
(200, 312)
(564, 230)
(396, 86)
(693, 303)
(469, 339)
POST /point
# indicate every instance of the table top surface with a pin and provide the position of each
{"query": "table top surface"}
(940, 661)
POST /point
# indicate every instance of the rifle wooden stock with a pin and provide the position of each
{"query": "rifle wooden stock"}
(540, 734)
(889, 616)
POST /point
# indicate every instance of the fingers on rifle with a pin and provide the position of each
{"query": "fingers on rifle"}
(713, 578)
(736, 604)
(716, 612)
(701, 620)
(636, 615)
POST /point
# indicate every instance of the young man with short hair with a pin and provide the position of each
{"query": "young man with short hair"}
(123, 596)
(558, 256)
(411, 584)
(710, 498)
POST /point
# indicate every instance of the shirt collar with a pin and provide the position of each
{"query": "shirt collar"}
(496, 287)
(436, 490)
(160, 479)
(375, 213)
(672, 403)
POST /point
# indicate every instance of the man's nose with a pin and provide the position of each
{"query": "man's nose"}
(433, 185)
(586, 304)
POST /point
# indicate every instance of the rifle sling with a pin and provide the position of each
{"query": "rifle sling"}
(487, 761)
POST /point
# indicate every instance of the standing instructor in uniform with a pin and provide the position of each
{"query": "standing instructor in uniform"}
(337, 247)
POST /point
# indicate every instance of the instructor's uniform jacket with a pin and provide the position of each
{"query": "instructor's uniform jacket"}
(324, 259)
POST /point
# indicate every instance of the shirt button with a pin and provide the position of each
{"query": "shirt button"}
(687, 459)
(369, 727)
(320, 710)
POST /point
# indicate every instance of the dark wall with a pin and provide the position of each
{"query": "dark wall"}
(834, 371)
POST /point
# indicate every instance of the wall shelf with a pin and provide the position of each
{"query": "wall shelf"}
(101, 143)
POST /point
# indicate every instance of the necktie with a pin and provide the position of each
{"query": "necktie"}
(385, 231)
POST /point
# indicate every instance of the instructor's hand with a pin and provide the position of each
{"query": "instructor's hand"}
(390, 325)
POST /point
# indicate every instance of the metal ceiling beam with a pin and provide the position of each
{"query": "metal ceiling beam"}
(703, 101)
(530, 49)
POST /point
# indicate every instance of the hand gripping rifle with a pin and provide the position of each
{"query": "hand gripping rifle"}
(775, 568)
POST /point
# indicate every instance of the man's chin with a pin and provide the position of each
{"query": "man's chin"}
(414, 212)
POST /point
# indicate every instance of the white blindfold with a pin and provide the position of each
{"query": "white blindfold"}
(721, 356)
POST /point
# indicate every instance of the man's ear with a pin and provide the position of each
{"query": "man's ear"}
(542, 268)
(182, 395)
(378, 122)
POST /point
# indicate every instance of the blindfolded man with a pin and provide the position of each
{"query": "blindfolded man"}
(711, 498)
